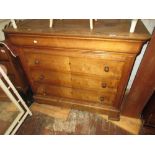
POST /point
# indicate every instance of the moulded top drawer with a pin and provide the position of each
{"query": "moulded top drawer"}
(115, 45)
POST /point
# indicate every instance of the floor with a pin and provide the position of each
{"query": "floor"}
(71, 122)
(8, 113)
(52, 120)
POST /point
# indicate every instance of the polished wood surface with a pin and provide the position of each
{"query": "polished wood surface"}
(70, 65)
(74, 64)
(109, 29)
(75, 80)
(79, 94)
(114, 45)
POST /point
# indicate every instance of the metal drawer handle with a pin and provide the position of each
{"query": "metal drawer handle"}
(103, 85)
(36, 62)
(35, 41)
(41, 77)
(101, 98)
(106, 68)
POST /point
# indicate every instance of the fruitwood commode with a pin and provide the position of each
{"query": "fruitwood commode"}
(71, 65)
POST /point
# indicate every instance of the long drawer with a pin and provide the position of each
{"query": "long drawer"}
(96, 67)
(75, 42)
(74, 81)
(82, 95)
(93, 66)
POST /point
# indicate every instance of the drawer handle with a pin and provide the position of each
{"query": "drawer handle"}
(44, 93)
(35, 41)
(106, 69)
(41, 77)
(101, 98)
(104, 85)
(36, 62)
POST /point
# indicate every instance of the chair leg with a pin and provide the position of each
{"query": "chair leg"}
(91, 24)
(133, 25)
(51, 23)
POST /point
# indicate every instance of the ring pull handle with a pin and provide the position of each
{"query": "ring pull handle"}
(106, 68)
(102, 98)
(41, 77)
(103, 85)
(35, 41)
(44, 92)
(36, 62)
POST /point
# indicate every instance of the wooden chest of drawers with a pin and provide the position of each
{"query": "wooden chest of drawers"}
(70, 65)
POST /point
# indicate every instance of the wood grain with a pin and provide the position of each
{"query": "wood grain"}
(111, 29)
(75, 80)
(114, 45)
(85, 95)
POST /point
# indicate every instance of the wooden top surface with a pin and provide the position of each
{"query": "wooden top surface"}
(110, 29)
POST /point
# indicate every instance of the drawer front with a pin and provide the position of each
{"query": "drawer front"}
(3, 55)
(94, 83)
(47, 90)
(82, 95)
(48, 61)
(49, 77)
(97, 67)
(90, 96)
(75, 65)
(114, 45)
(75, 81)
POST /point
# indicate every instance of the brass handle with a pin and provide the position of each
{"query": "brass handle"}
(44, 93)
(106, 68)
(41, 77)
(101, 98)
(36, 62)
(35, 41)
(103, 85)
